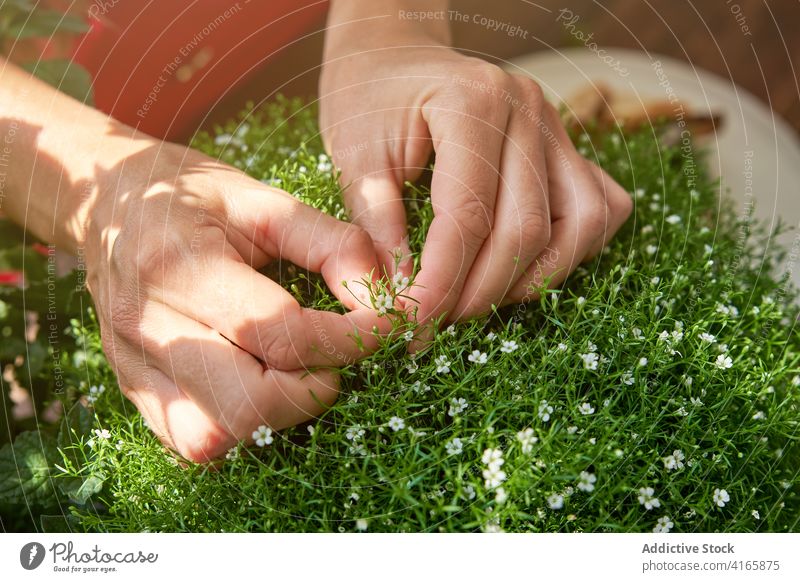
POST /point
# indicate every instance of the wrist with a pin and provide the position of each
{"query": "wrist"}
(354, 25)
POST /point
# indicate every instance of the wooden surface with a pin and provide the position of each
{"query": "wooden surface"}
(764, 57)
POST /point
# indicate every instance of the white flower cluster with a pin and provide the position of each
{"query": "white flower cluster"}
(94, 393)
(493, 474)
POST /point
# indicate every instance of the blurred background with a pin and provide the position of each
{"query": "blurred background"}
(753, 43)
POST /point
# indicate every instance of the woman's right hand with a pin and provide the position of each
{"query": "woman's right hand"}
(207, 348)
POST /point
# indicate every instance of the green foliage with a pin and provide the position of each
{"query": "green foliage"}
(669, 362)
(22, 20)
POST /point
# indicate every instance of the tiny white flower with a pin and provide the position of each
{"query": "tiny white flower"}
(527, 440)
(457, 406)
(796, 381)
(454, 447)
(647, 498)
(263, 436)
(586, 409)
(721, 497)
(232, 454)
(637, 333)
(384, 302)
(627, 378)
(362, 524)
(400, 282)
(500, 496)
(590, 360)
(755, 514)
(102, 433)
(469, 492)
(354, 432)
(493, 477)
(442, 365)
(408, 336)
(682, 411)
(555, 501)
(545, 410)
(651, 249)
(478, 357)
(509, 346)
(759, 415)
(674, 461)
(490, 336)
(581, 300)
(572, 429)
(492, 457)
(451, 330)
(643, 362)
(396, 423)
(663, 525)
(412, 366)
(561, 347)
(586, 481)
(723, 362)
(673, 219)
(708, 338)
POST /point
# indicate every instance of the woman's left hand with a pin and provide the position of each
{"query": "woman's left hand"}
(514, 203)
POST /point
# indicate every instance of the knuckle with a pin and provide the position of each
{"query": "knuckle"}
(593, 217)
(281, 349)
(491, 74)
(475, 219)
(535, 229)
(355, 238)
(124, 319)
(530, 91)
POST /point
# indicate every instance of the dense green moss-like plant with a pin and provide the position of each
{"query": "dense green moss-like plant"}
(659, 389)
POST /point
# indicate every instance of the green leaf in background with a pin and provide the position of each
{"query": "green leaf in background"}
(76, 424)
(44, 24)
(58, 523)
(80, 490)
(25, 469)
(65, 76)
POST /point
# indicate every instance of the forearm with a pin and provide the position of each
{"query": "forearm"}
(357, 24)
(56, 157)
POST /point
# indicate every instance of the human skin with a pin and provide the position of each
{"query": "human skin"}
(206, 347)
(514, 203)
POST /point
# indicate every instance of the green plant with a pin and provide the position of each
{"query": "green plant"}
(22, 20)
(662, 381)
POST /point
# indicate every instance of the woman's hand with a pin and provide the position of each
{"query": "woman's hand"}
(206, 347)
(514, 203)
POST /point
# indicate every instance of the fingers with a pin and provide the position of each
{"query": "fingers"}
(282, 226)
(582, 218)
(176, 420)
(620, 206)
(258, 315)
(215, 393)
(374, 199)
(522, 215)
(468, 143)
